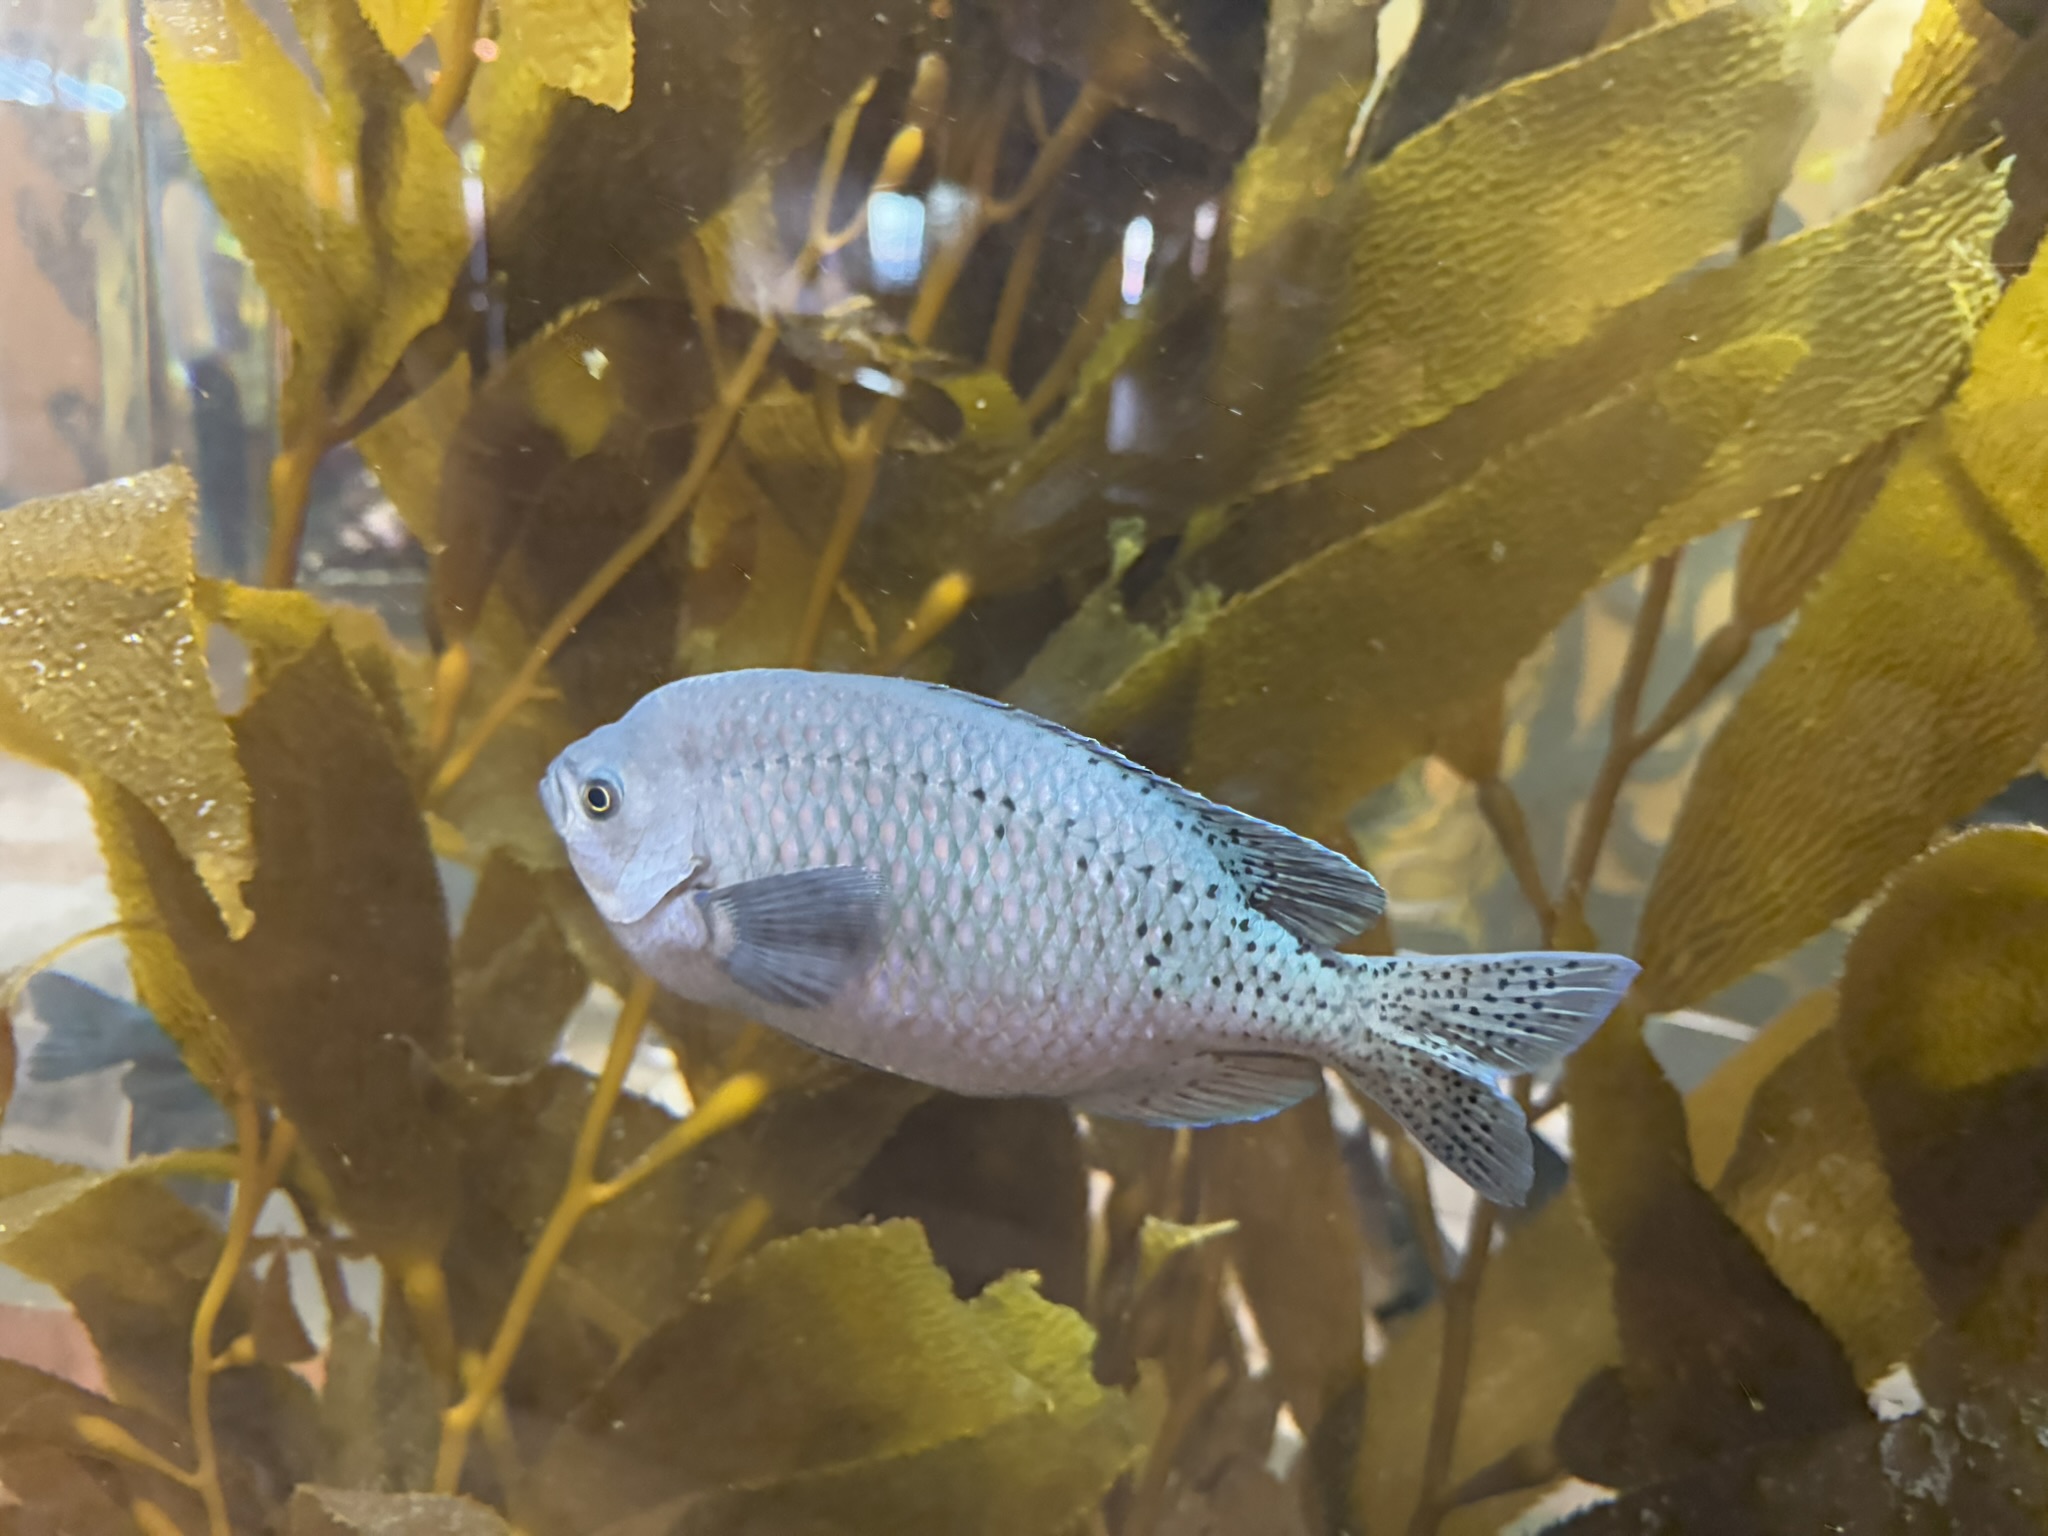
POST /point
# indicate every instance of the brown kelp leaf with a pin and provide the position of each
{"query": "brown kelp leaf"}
(1718, 1356)
(350, 1512)
(560, 457)
(1321, 684)
(722, 93)
(100, 659)
(996, 1186)
(835, 1378)
(279, 1335)
(132, 1259)
(339, 997)
(1544, 1324)
(279, 624)
(128, 1255)
(1192, 65)
(400, 24)
(39, 1416)
(516, 977)
(1301, 1259)
(1459, 279)
(1914, 686)
(494, 805)
(1807, 1184)
(584, 47)
(348, 203)
(1944, 1020)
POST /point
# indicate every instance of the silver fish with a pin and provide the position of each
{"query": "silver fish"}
(957, 891)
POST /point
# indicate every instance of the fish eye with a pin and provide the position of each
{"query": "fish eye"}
(600, 798)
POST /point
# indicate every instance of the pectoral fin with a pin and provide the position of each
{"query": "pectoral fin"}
(794, 940)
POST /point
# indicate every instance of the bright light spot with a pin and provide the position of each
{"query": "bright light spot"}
(948, 206)
(1896, 1395)
(595, 362)
(895, 238)
(1205, 232)
(1126, 415)
(486, 50)
(1288, 1444)
(1251, 1342)
(878, 381)
(1137, 255)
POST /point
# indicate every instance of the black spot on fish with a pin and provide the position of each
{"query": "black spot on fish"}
(1007, 803)
(1152, 961)
(1176, 887)
(1081, 864)
(1157, 993)
(1210, 893)
(981, 795)
(1141, 929)
(1002, 829)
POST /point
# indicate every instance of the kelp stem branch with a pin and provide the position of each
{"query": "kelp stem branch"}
(1454, 1371)
(863, 462)
(260, 1167)
(1503, 813)
(711, 441)
(712, 436)
(1625, 746)
(583, 1192)
(291, 486)
(455, 41)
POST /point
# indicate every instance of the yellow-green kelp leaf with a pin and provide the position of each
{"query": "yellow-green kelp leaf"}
(1914, 685)
(406, 450)
(339, 997)
(1806, 1183)
(1322, 683)
(400, 24)
(1459, 278)
(1888, 300)
(835, 1381)
(1944, 1021)
(348, 203)
(100, 658)
(581, 46)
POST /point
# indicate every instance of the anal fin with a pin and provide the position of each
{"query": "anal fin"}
(1212, 1089)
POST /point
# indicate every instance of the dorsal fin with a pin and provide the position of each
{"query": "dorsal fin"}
(1315, 893)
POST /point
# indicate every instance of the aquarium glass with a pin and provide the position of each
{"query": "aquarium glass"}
(1583, 461)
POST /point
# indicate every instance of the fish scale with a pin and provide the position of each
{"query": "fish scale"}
(957, 891)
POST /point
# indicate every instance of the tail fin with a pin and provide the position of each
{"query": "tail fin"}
(1445, 1029)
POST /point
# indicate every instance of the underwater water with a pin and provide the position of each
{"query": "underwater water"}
(1586, 462)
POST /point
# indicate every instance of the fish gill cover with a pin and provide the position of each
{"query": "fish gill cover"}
(1483, 481)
